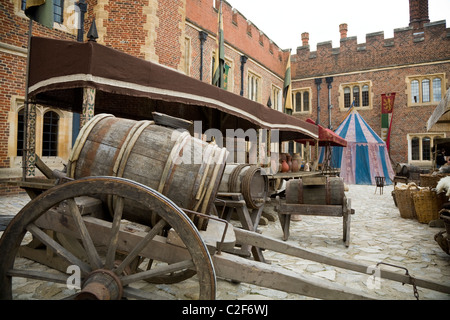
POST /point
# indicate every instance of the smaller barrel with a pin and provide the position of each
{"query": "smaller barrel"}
(250, 180)
(320, 190)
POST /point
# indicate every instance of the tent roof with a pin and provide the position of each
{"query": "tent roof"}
(366, 155)
(131, 87)
(355, 129)
(326, 137)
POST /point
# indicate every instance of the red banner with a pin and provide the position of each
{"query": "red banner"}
(387, 102)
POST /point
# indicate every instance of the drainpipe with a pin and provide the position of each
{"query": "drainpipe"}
(329, 80)
(243, 61)
(202, 36)
(318, 82)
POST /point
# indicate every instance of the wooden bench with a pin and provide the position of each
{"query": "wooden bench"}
(345, 211)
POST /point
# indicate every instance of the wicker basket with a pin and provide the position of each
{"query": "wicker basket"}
(431, 180)
(427, 204)
(405, 202)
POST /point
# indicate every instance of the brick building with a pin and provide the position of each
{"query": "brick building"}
(181, 34)
(415, 64)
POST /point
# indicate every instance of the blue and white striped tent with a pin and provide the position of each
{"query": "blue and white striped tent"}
(366, 155)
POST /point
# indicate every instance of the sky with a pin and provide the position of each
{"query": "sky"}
(283, 21)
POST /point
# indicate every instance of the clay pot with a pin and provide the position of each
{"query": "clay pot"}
(289, 161)
(296, 162)
(284, 166)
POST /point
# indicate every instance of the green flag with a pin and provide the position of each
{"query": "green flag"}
(40, 11)
(219, 61)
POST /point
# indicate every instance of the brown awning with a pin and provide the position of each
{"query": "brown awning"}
(130, 87)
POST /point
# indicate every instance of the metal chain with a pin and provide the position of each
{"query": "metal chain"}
(413, 282)
(411, 279)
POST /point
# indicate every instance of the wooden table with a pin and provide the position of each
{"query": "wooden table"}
(285, 210)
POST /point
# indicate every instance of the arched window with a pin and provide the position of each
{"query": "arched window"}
(20, 132)
(437, 91)
(356, 96)
(58, 9)
(415, 148)
(298, 102)
(347, 98)
(50, 134)
(253, 86)
(365, 96)
(426, 148)
(306, 101)
(426, 90)
(415, 91)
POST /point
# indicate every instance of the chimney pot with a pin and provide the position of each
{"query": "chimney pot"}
(343, 28)
(418, 13)
(305, 38)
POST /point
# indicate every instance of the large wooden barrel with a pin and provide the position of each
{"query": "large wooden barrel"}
(185, 169)
(315, 190)
(250, 180)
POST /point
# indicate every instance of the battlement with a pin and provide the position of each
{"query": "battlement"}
(240, 32)
(408, 46)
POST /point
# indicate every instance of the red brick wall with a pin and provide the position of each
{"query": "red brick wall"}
(265, 58)
(387, 63)
(407, 47)
(168, 42)
(236, 31)
(14, 32)
(124, 26)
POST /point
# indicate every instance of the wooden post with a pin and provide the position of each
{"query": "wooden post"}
(88, 105)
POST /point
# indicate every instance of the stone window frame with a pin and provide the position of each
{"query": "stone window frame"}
(352, 85)
(302, 91)
(64, 133)
(421, 136)
(277, 98)
(70, 18)
(421, 79)
(251, 75)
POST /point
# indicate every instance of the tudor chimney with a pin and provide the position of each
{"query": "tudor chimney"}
(343, 28)
(305, 39)
(418, 13)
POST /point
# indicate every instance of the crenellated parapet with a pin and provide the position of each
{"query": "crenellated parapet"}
(240, 32)
(408, 46)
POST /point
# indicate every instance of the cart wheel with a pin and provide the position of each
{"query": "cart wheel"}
(171, 278)
(102, 276)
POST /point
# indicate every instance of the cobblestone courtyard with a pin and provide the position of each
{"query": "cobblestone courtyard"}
(378, 234)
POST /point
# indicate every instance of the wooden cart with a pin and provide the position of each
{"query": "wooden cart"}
(122, 228)
(119, 231)
(72, 223)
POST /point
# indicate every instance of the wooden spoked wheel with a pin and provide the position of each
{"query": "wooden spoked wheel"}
(103, 276)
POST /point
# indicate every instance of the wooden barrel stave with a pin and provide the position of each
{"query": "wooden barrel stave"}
(250, 180)
(331, 192)
(155, 156)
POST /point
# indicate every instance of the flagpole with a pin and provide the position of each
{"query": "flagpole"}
(26, 111)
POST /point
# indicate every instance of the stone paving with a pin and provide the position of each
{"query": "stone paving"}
(378, 234)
